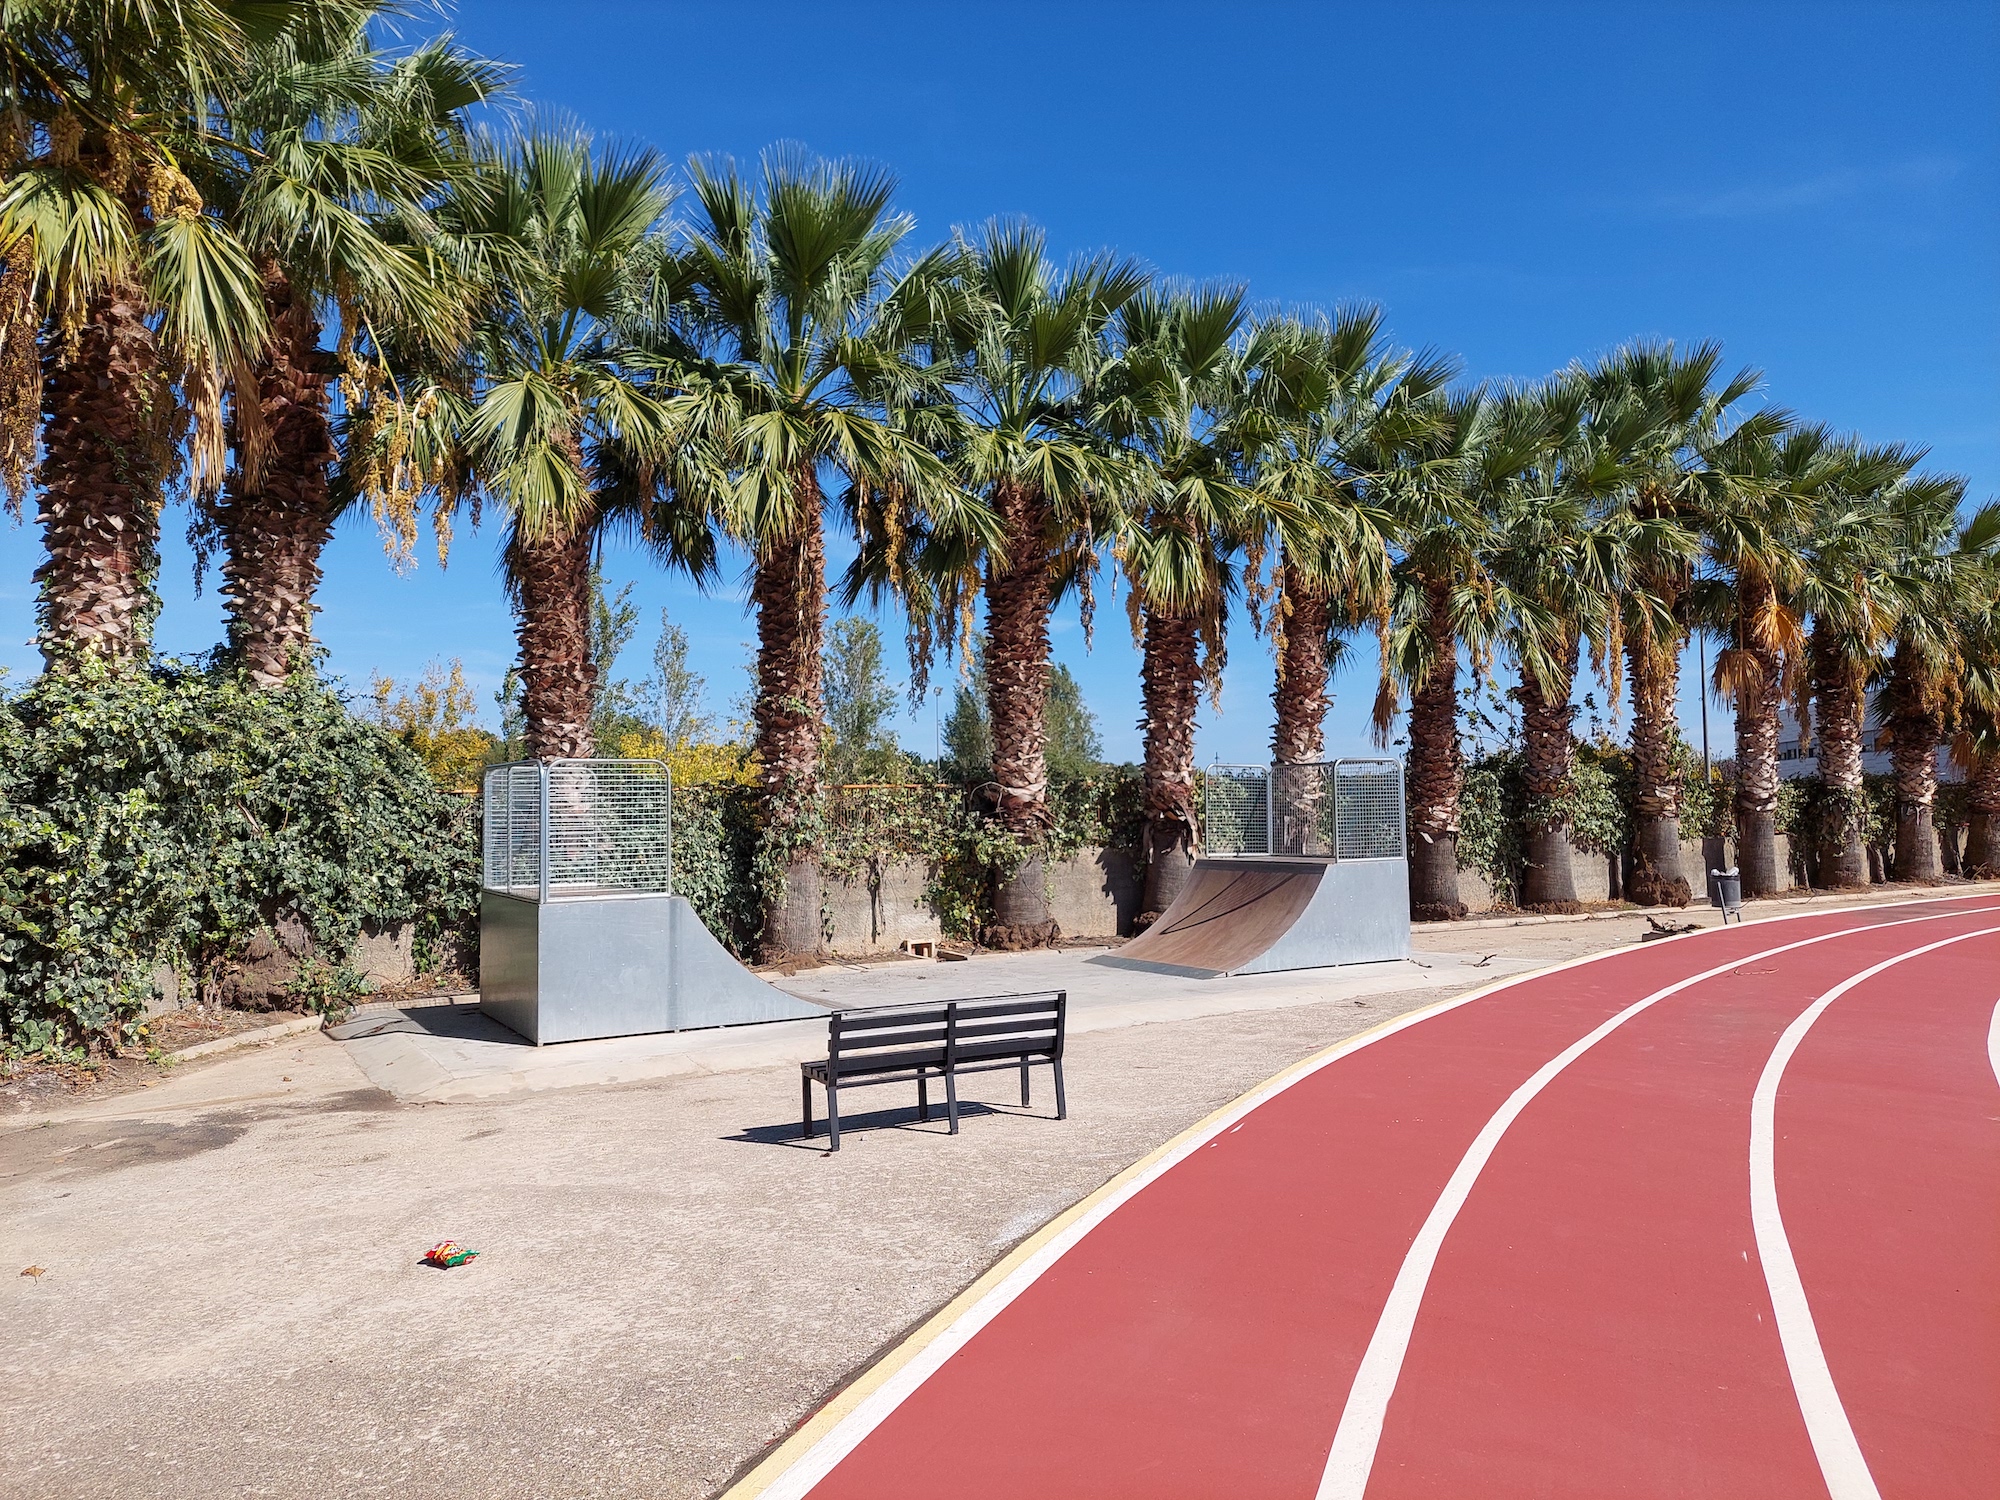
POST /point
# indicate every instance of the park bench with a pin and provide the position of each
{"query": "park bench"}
(898, 1044)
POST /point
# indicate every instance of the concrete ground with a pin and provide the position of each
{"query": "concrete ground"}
(230, 1300)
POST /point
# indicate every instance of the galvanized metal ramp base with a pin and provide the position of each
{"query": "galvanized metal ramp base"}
(614, 965)
(1259, 916)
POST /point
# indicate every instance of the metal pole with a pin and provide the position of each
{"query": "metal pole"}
(543, 767)
(1270, 810)
(1333, 842)
(669, 770)
(1701, 644)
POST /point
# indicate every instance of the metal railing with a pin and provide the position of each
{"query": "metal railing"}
(560, 829)
(1336, 810)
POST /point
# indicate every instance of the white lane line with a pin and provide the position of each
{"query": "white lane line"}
(809, 1456)
(1359, 1434)
(1840, 1456)
(1993, 1043)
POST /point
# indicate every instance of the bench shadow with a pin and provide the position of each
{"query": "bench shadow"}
(905, 1119)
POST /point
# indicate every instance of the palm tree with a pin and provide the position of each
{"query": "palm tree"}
(147, 301)
(1674, 410)
(1857, 595)
(1174, 403)
(1557, 559)
(800, 346)
(339, 151)
(1762, 489)
(1950, 568)
(1976, 746)
(1023, 351)
(569, 427)
(1440, 489)
(1332, 391)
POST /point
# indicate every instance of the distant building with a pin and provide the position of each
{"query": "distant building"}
(1797, 759)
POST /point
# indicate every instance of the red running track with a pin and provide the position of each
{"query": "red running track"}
(1515, 1246)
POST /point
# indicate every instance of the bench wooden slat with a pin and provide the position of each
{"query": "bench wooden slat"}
(876, 1020)
(921, 1036)
(1006, 1028)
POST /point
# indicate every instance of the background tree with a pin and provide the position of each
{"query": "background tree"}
(673, 696)
(1074, 748)
(860, 701)
(437, 717)
(1070, 737)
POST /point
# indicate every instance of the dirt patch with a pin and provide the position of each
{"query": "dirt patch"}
(91, 1149)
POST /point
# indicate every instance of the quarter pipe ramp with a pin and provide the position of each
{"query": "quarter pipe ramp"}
(1260, 916)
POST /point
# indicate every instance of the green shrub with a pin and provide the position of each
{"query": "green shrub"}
(162, 817)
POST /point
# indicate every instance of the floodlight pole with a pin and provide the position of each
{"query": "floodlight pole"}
(1701, 645)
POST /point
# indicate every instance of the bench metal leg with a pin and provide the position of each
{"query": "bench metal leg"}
(951, 1097)
(1024, 1083)
(923, 1095)
(833, 1115)
(806, 1100)
(1062, 1105)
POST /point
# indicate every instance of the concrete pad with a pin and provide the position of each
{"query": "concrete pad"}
(435, 1054)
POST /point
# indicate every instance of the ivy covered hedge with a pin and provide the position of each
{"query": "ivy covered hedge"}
(938, 822)
(1493, 807)
(163, 818)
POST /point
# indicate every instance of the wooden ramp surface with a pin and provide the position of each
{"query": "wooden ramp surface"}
(1225, 917)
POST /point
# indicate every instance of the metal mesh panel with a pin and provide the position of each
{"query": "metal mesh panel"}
(513, 828)
(607, 826)
(1302, 816)
(1237, 809)
(1368, 809)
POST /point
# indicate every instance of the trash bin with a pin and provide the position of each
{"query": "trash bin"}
(1725, 890)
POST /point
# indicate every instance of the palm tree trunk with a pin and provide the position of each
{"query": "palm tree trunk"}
(1982, 831)
(1657, 878)
(1299, 698)
(1758, 708)
(789, 592)
(1837, 718)
(108, 447)
(1017, 679)
(1549, 884)
(1915, 727)
(1170, 682)
(274, 535)
(551, 577)
(1437, 770)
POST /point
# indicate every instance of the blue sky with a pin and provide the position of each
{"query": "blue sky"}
(1815, 185)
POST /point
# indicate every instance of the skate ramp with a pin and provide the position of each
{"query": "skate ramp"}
(1261, 916)
(619, 965)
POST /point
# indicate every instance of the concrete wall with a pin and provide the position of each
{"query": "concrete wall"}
(1601, 877)
(1095, 894)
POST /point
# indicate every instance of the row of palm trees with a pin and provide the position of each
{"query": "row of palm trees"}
(200, 192)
